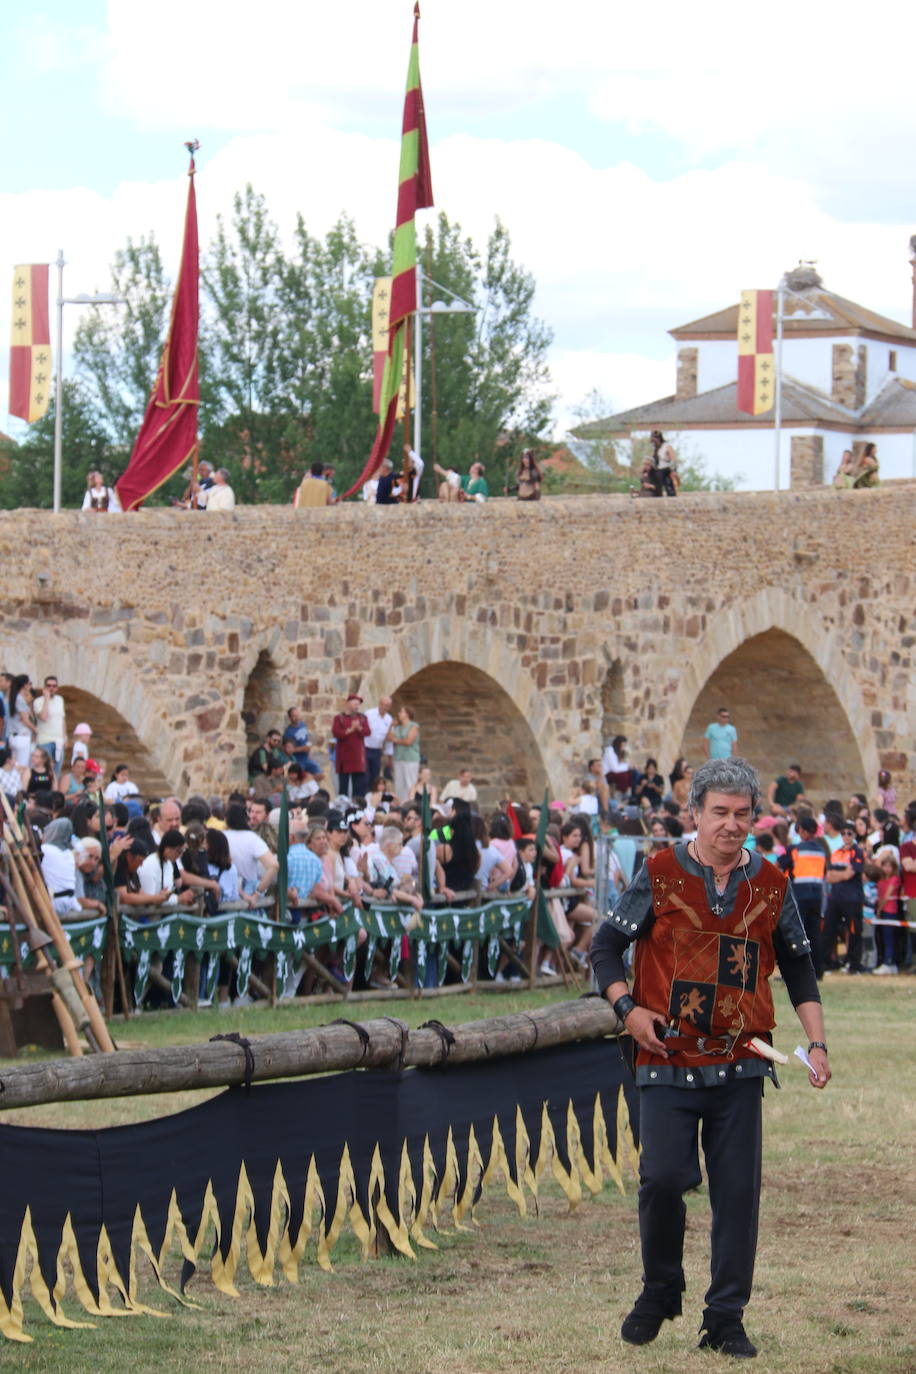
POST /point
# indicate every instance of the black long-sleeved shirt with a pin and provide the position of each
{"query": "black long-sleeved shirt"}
(633, 919)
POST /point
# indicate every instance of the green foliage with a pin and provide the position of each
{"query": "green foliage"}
(488, 398)
(28, 468)
(117, 348)
(612, 464)
(286, 357)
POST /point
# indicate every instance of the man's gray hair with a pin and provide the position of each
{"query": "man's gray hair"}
(734, 777)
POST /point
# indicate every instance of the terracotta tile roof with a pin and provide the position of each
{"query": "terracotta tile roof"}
(800, 404)
(834, 313)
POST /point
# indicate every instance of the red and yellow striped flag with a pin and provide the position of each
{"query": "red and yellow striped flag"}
(415, 193)
(756, 370)
(30, 345)
(381, 302)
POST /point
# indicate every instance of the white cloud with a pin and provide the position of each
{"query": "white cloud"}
(620, 253)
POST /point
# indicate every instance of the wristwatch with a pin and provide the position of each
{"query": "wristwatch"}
(817, 1045)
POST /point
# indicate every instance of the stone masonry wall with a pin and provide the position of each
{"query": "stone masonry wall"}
(164, 616)
(687, 365)
(807, 460)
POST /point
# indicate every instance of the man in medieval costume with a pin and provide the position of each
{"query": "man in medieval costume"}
(711, 922)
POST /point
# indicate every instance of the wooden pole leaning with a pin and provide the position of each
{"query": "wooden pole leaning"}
(48, 917)
(19, 899)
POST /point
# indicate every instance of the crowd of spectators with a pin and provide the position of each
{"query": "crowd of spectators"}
(355, 835)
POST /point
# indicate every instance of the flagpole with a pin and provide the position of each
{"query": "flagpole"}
(777, 417)
(59, 381)
(418, 368)
(405, 493)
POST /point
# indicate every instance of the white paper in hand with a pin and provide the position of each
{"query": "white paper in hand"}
(802, 1054)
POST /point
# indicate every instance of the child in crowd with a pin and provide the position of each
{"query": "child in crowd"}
(82, 734)
(888, 908)
(871, 876)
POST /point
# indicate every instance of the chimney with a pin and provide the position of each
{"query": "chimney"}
(913, 267)
(687, 367)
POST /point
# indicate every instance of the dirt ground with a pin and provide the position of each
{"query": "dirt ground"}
(833, 1292)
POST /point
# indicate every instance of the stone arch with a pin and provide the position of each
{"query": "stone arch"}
(114, 740)
(774, 663)
(469, 720)
(450, 643)
(264, 700)
(130, 707)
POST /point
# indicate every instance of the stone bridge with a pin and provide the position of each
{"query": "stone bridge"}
(522, 634)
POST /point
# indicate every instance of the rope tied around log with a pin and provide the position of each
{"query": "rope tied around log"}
(397, 1064)
(445, 1036)
(365, 1039)
(238, 1039)
(534, 1024)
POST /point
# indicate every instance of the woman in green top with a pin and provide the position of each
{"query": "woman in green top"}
(405, 736)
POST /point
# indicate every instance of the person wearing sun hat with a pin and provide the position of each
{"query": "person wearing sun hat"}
(82, 734)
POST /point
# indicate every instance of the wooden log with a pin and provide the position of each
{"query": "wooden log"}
(297, 1053)
(164, 984)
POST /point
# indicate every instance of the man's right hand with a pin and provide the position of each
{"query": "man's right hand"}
(641, 1025)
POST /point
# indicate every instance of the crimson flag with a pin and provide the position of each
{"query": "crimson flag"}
(168, 434)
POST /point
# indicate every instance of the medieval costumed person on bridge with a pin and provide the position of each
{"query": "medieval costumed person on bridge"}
(711, 921)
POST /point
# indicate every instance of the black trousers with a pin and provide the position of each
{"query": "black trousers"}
(843, 914)
(809, 909)
(728, 1121)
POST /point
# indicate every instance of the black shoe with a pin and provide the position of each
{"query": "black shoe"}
(643, 1324)
(729, 1337)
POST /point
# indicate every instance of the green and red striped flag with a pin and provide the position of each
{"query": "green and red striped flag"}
(415, 192)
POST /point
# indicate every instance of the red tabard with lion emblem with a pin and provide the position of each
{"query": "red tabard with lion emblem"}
(708, 975)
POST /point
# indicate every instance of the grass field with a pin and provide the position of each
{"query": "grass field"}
(835, 1264)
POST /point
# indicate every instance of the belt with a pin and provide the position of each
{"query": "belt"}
(704, 1044)
(68, 892)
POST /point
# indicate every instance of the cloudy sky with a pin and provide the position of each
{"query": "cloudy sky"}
(650, 161)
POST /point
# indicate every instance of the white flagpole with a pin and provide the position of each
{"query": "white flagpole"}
(59, 383)
(777, 416)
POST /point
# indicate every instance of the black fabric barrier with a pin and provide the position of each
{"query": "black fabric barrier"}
(265, 1174)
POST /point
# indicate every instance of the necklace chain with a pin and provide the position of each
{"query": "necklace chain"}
(717, 874)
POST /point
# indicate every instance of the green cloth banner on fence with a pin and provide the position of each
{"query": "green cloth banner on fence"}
(182, 933)
(86, 937)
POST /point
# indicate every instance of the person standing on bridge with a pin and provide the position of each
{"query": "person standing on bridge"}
(664, 466)
(350, 729)
(710, 922)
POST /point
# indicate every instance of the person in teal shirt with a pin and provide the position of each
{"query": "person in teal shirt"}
(474, 485)
(720, 736)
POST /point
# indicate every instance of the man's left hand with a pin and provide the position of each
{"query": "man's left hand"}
(818, 1060)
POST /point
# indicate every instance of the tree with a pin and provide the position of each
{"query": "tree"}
(117, 348)
(485, 375)
(614, 464)
(286, 352)
(28, 468)
(242, 344)
(326, 302)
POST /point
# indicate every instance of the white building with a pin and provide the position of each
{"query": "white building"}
(848, 378)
